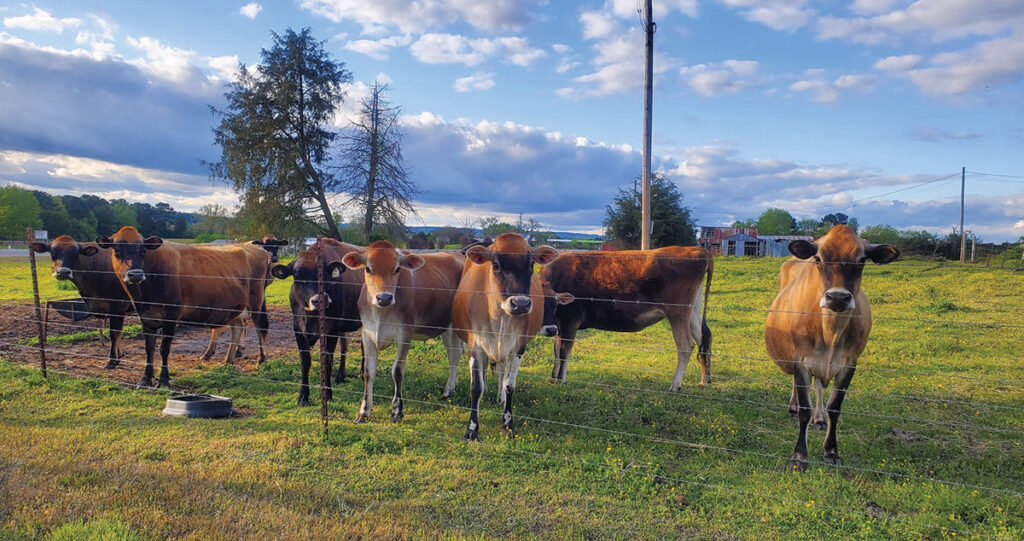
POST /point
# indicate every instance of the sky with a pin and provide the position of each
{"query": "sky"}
(867, 107)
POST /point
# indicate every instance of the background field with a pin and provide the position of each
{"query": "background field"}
(930, 436)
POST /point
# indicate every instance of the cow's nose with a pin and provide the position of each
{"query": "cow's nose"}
(63, 273)
(839, 296)
(385, 299)
(838, 300)
(549, 330)
(520, 305)
(273, 259)
(314, 301)
(135, 276)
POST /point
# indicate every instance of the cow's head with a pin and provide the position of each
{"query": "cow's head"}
(552, 300)
(305, 274)
(271, 244)
(511, 260)
(839, 258)
(130, 250)
(64, 254)
(383, 265)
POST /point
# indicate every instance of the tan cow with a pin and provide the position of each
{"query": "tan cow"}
(498, 309)
(405, 297)
(819, 325)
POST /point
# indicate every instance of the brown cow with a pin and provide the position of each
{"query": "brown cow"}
(176, 283)
(405, 297)
(497, 311)
(628, 291)
(819, 325)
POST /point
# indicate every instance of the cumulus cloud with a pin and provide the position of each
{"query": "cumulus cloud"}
(250, 10)
(458, 49)
(478, 81)
(415, 17)
(377, 49)
(616, 68)
(825, 91)
(785, 15)
(728, 77)
(42, 21)
(989, 63)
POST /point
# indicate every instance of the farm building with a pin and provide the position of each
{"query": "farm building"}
(745, 241)
(778, 245)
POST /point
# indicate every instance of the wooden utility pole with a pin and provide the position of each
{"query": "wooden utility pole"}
(963, 234)
(645, 200)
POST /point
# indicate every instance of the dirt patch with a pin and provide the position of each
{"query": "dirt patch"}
(88, 357)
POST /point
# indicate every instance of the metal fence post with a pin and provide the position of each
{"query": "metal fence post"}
(30, 237)
(321, 316)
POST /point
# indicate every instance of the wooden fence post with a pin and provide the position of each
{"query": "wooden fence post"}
(321, 315)
(30, 238)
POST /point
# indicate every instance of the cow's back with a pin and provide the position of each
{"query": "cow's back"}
(204, 284)
(97, 283)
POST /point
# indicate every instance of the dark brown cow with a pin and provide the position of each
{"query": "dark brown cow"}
(405, 297)
(178, 283)
(271, 244)
(341, 297)
(819, 325)
(628, 291)
(497, 311)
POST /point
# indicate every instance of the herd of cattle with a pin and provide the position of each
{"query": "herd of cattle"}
(486, 299)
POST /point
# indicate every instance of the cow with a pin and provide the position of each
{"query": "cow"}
(341, 297)
(497, 310)
(89, 267)
(627, 291)
(818, 326)
(177, 283)
(271, 244)
(405, 297)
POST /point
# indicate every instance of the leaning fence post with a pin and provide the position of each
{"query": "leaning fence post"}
(321, 315)
(30, 237)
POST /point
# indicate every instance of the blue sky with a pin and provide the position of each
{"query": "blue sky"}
(535, 106)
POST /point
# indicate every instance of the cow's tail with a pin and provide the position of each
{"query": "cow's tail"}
(704, 350)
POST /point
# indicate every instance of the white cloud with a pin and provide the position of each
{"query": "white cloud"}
(899, 63)
(989, 63)
(250, 10)
(825, 92)
(414, 17)
(785, 15)
(458, 49)
(560, 48)
(478, 81)
(728, 77)
(933, 134)
(378, 49)
(597, 24)
(41, 20)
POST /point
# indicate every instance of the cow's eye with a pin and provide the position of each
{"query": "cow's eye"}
(398, 269)
(369, 270)
(817, 259)
(863, 260)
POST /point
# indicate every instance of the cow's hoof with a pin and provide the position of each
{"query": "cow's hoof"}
(673, 390)
(303, 400)
(447, 395)
(792, 413)
(111, 364)
(797, 464)
(238, 353)
(832, 459)
(207, 357)
(163, 382)
(145, 383)
(396, 416)
(340, 380)
(471, 435)
(820, 425)
(508, 432)
(360, 419)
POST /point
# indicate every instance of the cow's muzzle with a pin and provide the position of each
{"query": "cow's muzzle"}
(134, 277)
(518, 305)
(837, 300)
(384, 299)
(314, 302)
(549, 330)
(63, 273)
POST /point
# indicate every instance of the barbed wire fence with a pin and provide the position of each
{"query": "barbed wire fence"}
(71, 363)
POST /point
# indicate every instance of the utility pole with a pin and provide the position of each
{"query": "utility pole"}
(963, 234)
(645, 201)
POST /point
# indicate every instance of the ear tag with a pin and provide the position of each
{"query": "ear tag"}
(335, 273)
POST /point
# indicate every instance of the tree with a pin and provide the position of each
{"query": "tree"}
(19, 209)
(775, 221)
(419, 241)
(673, 223)
(375, 175)
(807, 226)
(275, 134)
(213, 219)
(881, 234)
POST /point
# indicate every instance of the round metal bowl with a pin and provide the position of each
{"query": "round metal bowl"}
(199, 406)
(73, 309)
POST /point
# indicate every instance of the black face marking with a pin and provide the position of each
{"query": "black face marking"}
(514, 272)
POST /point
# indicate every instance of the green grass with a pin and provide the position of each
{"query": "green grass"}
(130, 331)
(933, 398)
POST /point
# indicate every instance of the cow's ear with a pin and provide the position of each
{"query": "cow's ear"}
(152, 243)
(802, 249)
(256, 242)
(478, 254)
(281, 271)
(883, 253)
(39, 247)
(104, 242)
(279, 242)
(564, 298)
(335, 269)
(89, 251)
(543, 255)
(413, 261)
(354, 260)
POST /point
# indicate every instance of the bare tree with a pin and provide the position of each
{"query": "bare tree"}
(375, 177)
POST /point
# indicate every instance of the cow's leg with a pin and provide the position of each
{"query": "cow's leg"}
(369, 374)
(500, 370)
(165, 351)
(835, 406)
(563, 349)
(262, 323)
(99, 331)
(684, 349)
(794, 405)
(818, 419)
(149, 333)
(510, 387)
(212, 348)
(801, 383)
(453, 345)
(330, 342)
(398, 374)
(339, 373)
(116, 325)
(236, 328)
(302, 342)
(702, 336)
(477, 364)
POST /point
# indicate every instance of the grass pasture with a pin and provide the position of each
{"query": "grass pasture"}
(931, 437)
